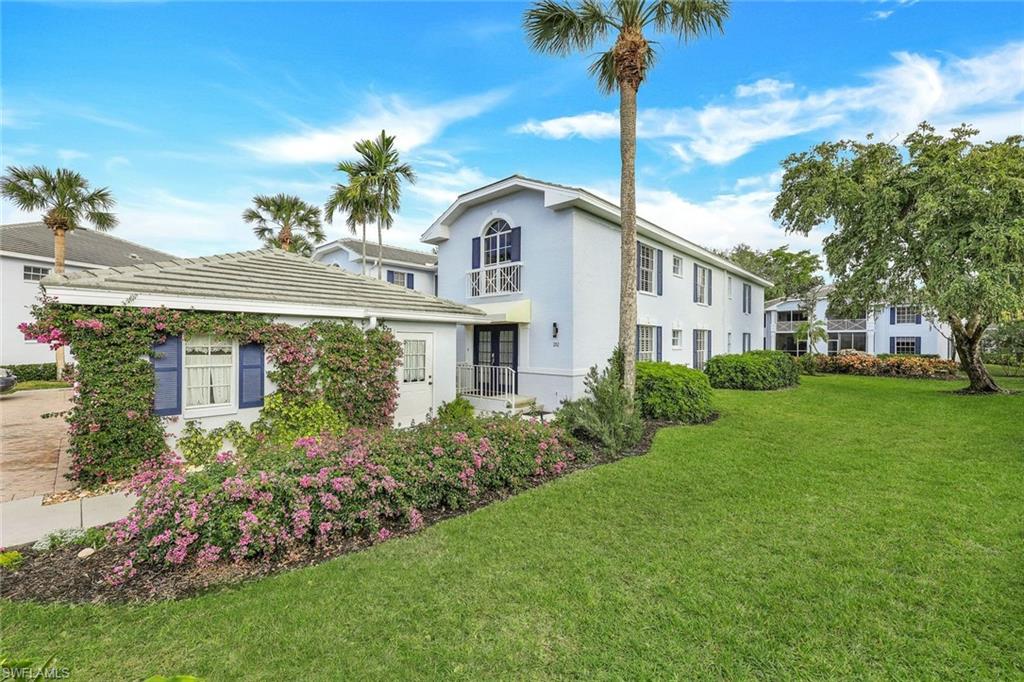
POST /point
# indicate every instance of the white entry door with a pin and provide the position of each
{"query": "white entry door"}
(415, 377)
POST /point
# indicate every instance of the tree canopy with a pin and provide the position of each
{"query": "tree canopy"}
(938, 223)
(792, 273)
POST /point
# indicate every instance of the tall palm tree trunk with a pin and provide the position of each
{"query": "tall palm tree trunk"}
(380, 248)
(285, 238)
(627, 202)
(364, 249)
(59, 249)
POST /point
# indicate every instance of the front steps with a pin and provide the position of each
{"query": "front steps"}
(518, 404)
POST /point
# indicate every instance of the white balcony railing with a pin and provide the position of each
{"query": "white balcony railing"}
(495, 280)
(860, 325)
(788, 325)
(486, 381)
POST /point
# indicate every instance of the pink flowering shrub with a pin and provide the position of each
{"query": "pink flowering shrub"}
(363, 483)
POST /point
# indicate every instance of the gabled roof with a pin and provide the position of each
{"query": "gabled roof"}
(268, 280)
(391, 254)
(82, 246)
(563, 196)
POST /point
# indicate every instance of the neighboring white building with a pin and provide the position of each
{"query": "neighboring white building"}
(233, 377)
(542, 260)
(405, 267)
(26, 256)
(896, 329)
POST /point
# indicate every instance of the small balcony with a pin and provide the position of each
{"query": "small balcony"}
(790, 326)
(495, 280)
(856, 325)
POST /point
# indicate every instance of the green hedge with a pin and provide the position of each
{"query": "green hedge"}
(758, 370)
(46, 371)
(673, 393)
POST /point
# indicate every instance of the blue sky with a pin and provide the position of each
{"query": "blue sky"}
(187, 110)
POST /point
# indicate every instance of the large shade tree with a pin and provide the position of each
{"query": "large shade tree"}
(354, 199)
(286, 222)
(67, 203)
(564, 28)
(792, 273)
(939, 223)
(380, 168)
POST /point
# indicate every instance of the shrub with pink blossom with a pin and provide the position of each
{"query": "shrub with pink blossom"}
(363, 483)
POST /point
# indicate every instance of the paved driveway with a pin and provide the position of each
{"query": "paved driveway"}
(32, 459)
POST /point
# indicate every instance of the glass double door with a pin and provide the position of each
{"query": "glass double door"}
(496, 346)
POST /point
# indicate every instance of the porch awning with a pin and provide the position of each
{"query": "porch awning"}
(506, 311)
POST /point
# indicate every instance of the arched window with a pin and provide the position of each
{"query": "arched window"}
(497, 243)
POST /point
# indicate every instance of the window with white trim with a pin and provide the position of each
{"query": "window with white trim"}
(746, 342)
(907, 314)
(677, 266)
(209, 372)
(401, 278)
(701, 347)
(677, 338)
(730, 287)
(34, 273)
(905, 345)
(728, 342)
(414, 361)
(748, 298)
(703, 278)
(645, 343)
(497, 243)
(645, 275)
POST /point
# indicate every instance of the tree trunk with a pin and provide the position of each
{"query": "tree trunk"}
(364, 248)
(284, 239)
(627, 202)
(59, 248)
(968, 347)
(380, 248)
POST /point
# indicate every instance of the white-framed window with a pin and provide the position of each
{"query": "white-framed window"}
(414, 361)
(702, 285)
(497, 243)
(677, 266)
(645, 343)
(746, 342)
(34, 273)
(748, 298)
(905, 345)
(730, 287)
(907, 314)
(701, 347)
(677, 338)
(645, 266)
(401, 278)
(210, 379)
(728, 342)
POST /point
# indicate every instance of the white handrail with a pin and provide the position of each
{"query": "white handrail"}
(485, 381)
(495, 280)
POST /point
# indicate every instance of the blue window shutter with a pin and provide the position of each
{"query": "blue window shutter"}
(476, 253)
(709, 286)
(892, 314)
(409, 280)
(696, 358)
(636, 350)
(695, 283)
(917, 345)
(250, 375)
(516, 243)
(659, 262)
(391, 276)
(919, 318)
(167, 372)
(892, 344)
(709, 354)
(638, 266)
(657, 341)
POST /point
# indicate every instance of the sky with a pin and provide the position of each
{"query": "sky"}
(188, 110)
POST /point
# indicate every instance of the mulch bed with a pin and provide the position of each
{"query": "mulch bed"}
(58, 575)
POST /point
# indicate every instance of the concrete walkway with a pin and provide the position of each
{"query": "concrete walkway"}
(27, 520)
(32, 449)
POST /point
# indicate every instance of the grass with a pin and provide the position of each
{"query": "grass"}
(36, 385)
(852, 527)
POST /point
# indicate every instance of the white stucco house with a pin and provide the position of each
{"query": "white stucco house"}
(895, 329)
(292, 289)
(542, 261)
(408, 268)
(26, 257)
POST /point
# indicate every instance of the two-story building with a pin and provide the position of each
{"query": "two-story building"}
(416, 270)
(542, 261)
(893, 329)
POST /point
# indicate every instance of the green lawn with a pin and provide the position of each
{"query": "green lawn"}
(39, 384)
(853, 527)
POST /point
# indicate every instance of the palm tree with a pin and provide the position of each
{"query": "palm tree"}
(354, 199)
(286, 222)
(562, 28)
(66, 201)
(380, 167)
(813, 332)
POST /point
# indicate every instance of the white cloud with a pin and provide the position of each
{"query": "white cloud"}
(68, 155)
(412, 126)
(881, 15)
(117, 162)
(986, 90)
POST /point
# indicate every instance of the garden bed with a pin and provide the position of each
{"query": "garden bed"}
(58, 575)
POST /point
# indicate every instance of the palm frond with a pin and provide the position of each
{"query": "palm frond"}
(689, 19)
(63, 196)
(560, 28)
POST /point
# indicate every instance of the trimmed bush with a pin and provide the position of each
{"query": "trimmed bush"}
(675, 393)
(907, 366)
(605, 415)
(46, 371)
(756, 370)
(364, 483)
